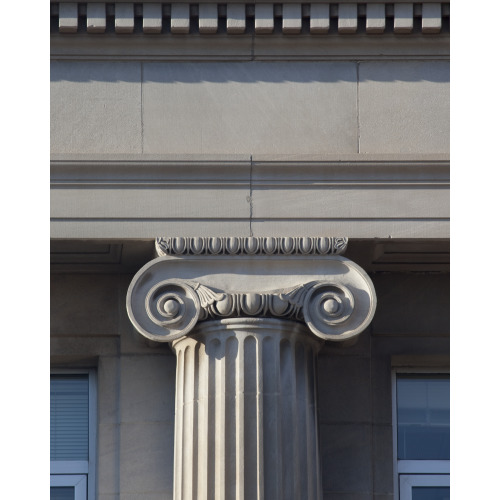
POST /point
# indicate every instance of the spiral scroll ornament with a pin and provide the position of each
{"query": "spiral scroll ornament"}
(327, 307)
(173, 305)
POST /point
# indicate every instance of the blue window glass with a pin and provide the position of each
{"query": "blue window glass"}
(430, 493)
(423, 416)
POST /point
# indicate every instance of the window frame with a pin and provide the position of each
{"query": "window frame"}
(67, 469)
(418, 468)
(407, 481)
(78, 481)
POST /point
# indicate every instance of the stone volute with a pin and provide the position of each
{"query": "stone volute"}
(246, 318)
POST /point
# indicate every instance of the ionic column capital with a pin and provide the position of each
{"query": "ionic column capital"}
(332, 295)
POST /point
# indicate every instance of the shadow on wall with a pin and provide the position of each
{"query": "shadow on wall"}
(251, 72)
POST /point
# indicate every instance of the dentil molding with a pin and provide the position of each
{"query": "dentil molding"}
(238, 18)
(170, 295)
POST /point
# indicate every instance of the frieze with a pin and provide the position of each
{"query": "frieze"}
(251, 246)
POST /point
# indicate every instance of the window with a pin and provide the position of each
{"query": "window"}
(421, 435)
(72, 435)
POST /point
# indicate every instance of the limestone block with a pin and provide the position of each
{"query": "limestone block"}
(348, 18)
(383, 478)
(148, 229)
(402, 300)
(344, 389)
(319, 18)
(96, 17)
(152, 18)
(204, 115)
(146, 459)
(403, 18)
(404, 107)
(400, 228)
(264, 18)
(431, 18)
(68, 17)
(381, 388)
(375, 18)
(236, 19)
(81, 350)
(108, 447)
(338, 202)
(179, 18)
(95, 107)
(346, 456)
(145, 383)
(108, 391)
(292, 18)
(83, 305)
(124, 17)
(150, 203)
(208, 18)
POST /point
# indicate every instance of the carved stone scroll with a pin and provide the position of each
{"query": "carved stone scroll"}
(335, 309)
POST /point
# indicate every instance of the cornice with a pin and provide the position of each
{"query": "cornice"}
(253, 31)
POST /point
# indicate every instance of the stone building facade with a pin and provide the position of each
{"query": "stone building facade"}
(250, 250)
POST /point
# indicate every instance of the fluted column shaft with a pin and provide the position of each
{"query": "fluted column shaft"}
(246, 425)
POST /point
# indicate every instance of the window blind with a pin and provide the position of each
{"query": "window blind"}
(69, 417)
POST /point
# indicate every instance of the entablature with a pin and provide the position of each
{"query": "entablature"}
(253, 31)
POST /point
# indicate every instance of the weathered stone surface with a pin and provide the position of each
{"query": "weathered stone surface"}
(404, 107)
(412, 305)
(95, 107)
(199, 108)
(346, 458)
(108, 454)
(144, 393)
(340, 379)
(146, 458)
(383, 478)
(84, 305)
